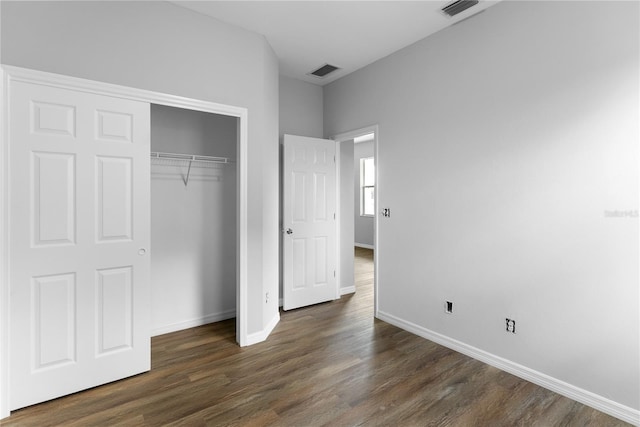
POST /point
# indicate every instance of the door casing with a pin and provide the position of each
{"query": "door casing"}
(9, 74)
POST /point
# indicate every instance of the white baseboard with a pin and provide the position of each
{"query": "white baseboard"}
(588, 398)
(192, 323)
(363, 245)
(262, 335)
(347, 290)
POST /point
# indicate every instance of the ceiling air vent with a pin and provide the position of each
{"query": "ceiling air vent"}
(458, 6)
(325, 70)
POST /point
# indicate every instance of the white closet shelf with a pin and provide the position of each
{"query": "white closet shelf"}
(178, 159)
(190, 157)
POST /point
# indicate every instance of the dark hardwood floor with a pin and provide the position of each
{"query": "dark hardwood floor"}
(331, 364)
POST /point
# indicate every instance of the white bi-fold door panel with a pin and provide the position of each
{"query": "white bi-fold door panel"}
(79, 239)
(309, 207)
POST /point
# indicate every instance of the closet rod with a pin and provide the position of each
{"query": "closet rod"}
(189, 158)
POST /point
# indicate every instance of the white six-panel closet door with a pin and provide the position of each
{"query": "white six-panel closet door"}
(79, 224)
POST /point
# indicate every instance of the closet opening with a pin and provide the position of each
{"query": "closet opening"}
(194, 199)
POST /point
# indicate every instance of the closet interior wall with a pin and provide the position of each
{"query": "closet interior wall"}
(193, 223)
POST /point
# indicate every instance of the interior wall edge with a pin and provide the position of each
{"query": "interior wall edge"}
(4, 253)
(260, 336)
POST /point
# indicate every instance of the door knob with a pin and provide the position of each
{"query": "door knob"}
(289, 231)
(142, 251)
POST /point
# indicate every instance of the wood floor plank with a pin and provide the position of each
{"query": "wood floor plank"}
(331, 364)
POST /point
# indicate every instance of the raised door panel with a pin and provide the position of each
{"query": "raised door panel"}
(320, 249)
(320, 154)
(114, 304)
(53, 208)
(299, 197)
(53, 119)
(300, 261)
(114, 204)
(114, 126)
(320, 197)
(54, 321)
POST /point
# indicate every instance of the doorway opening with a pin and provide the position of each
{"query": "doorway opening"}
(357, 179)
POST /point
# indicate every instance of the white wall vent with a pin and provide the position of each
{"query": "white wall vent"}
(458, 6)
(323, 71)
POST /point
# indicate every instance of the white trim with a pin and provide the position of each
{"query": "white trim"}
(588, 398)
(347, 290)
(17, 74)
(4, 251)
(242, 292)
(346, 136)
(361, 139)
(364, 246)
(262, 335)
(376, 225)
(192, 323)
(338, 224)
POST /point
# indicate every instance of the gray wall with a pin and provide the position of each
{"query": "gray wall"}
(300, 108)
(179, 130)
(503, 143)
(165, 48)
(193, 226)
(363, 224)
(268, 211)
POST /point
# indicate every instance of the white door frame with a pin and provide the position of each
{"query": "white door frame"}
(344, 137)
(10, 74)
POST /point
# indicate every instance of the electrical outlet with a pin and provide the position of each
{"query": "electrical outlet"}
(511, 325)
(266, 298)
(448, 307)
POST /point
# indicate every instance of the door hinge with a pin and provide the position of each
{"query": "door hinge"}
(334, 215)
(334, 159)
(334, 273)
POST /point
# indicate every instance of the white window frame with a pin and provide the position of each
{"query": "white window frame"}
(363, 162)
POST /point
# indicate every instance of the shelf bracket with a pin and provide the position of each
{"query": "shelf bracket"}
(186, 181)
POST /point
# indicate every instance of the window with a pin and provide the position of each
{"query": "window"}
(367, 187)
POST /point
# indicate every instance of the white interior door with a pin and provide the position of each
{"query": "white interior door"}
(79, 239)
(309, 221)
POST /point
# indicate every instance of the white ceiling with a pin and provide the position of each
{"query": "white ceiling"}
(307, 34)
